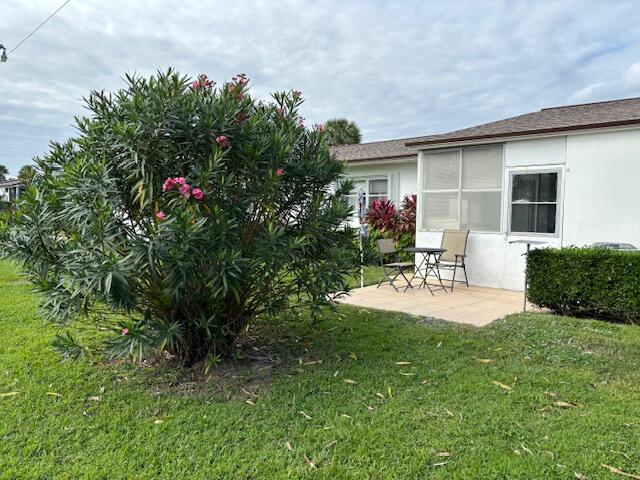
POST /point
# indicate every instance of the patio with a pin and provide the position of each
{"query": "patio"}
(473, 305)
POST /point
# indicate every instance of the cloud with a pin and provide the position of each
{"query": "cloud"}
(398, 69)
(619, 85)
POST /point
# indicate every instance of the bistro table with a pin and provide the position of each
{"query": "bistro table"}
(430, 258)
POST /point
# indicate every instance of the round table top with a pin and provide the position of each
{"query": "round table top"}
(425, 250)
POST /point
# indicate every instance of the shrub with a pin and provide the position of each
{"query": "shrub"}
(382, 216)
(586, 282)
(191, 209)
(386, 221)
(407, 218)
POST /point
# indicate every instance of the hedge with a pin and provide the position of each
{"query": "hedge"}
(586, 282)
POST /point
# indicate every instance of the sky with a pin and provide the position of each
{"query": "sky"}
(398, 69)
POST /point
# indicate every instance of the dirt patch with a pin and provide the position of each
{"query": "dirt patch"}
(259, 355)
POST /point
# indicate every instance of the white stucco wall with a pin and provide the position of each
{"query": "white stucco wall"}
(599, 200)
(602, 200)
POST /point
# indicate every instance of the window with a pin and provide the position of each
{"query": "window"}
(534, 202)
(462, 188)
(374, 188)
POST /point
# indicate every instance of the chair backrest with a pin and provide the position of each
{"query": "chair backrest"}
(455, 243)
(386, 246)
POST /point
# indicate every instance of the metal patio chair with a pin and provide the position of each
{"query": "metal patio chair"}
(455, 244)
(386, 250)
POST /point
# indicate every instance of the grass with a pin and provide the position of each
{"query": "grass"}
(440, 416)
(372, 275)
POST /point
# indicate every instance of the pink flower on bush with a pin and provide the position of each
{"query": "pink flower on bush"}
(183, 187)
(223, 142)
(125, 331)
(319, 127)
(280, 111)
(171, 183)
(197, 194)
(301, 122)
(160, 215)
(280, 172)
(185, 190)
(241, 79)
(235, 89)
(202, 81)
(168, 184)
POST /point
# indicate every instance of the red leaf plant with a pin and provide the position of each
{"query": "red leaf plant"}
(383, 216)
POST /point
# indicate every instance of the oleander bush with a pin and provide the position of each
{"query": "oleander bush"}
(586, 282)
(188, 207)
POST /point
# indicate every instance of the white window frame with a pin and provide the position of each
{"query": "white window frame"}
(422, 158)
(367, 179)
(559, 200)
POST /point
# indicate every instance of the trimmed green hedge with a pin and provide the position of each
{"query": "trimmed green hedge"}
(586, 282)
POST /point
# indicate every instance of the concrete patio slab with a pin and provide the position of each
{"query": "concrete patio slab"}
(471, 305)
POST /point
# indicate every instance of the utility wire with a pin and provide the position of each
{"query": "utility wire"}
(38, 27)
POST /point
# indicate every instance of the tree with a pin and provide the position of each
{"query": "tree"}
(4, 173)
(342, 132)
(26, 174)
(188, 208)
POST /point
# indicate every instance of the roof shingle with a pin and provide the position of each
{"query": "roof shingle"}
(385, 149)
(547, 120)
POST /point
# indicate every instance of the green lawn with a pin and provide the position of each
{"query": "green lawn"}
(372, 275)
(365, 414)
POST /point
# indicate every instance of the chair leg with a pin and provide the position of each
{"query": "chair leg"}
(440, 278)
(464, 269)
(385, 277)
(453, 279)
(394, 279)
(406, 280)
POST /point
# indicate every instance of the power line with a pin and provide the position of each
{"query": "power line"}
(38, 27)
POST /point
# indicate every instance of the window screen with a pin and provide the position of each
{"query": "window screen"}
(441, 171)
(462, 188)
(440, 210)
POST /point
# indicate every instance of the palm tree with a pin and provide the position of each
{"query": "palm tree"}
(342, 132)
(4, 172)
(26, 174)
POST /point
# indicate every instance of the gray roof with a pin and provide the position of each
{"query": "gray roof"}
(548, 120)
(382, 150)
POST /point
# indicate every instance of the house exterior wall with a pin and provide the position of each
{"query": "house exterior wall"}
(401, 173)
(598, 200)
(602, 188)
(10, 193)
